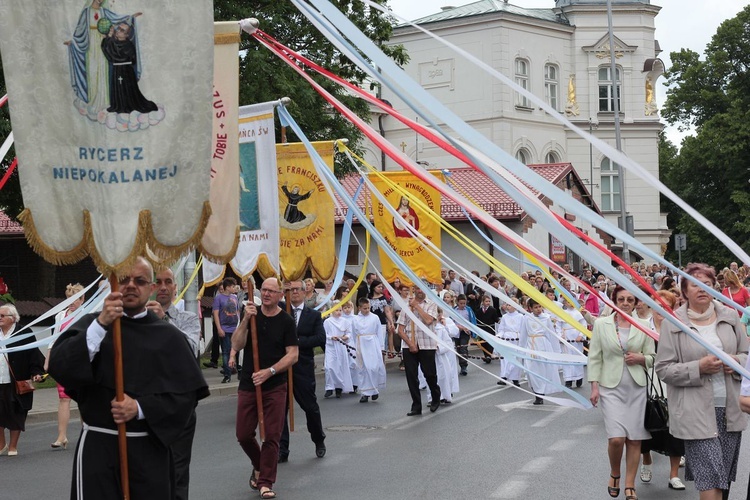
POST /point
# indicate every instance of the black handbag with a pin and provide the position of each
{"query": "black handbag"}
(657, 411)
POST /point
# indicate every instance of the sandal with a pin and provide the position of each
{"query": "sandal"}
(267, 493)
(614, 491)
(254, 479)
(630, 497)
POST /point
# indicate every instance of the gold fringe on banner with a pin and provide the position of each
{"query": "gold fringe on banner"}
(145, 240)
(264, 268)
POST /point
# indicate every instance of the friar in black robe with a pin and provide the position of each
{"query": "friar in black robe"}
(160, 374)
(124, 94)
(292, 213)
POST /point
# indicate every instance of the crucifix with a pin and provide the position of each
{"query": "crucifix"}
(403, 146)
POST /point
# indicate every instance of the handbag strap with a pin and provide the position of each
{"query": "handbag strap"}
(13, 375)
(650, 380)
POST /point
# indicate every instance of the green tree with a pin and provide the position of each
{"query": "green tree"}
(712, 170)
(263, 77)
(10, 195)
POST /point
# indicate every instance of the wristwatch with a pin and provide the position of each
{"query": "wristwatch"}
(272, 370)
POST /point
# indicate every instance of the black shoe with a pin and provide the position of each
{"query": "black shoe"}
(226, 380)
(434, 405)
(502, 382)
(487, 360)
(210, 364)
(463, 372)
(579, 382)
(328, 394)
(568, 383)
(320, 450)
(375, 397)
(516, 383)
(364, 399)
(445, 402)
(355, 390)
(414, 413)
(538, 401)
(283, 458)
(338, 392)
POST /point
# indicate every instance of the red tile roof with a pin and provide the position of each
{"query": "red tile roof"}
(8, 225)
(476, 186)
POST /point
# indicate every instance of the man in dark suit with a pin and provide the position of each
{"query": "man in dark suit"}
(486, 317)
(311, 334)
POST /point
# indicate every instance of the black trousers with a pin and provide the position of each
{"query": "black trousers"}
(215, 341)
(462, 348)
(412, 361)
(304, 394)
(182, 450)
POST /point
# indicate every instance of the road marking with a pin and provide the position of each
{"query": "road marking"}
(549, 418)
(536, 466)
(364, 443)
(511, 489)
(562, 445)
(407, 422)
(586, 429)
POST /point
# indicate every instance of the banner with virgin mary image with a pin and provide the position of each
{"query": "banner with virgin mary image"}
(111, 108)
(399, 231)
(307, 231)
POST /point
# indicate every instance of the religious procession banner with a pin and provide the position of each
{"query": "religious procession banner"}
(306, 213)
(258, 211)
(111, 112)
(396, 233)
(222, 233)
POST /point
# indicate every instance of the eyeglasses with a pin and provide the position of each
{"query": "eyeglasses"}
(137, 280)
(268, 290)
(295, 289)
(6, 316)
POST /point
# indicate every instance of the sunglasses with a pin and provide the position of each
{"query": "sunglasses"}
(138, 281)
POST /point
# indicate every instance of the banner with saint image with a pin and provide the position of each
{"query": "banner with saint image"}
(396, 232)
(305, 213)
(111, 112)
(258, 211)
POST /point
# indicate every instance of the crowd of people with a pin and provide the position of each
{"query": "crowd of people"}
(372, 323)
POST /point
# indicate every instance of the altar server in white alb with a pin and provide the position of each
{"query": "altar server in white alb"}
(537, 333)
(572, 373)
(445, 358)
(347, 314)
(509, 329)
(338, 331)
(369, 352)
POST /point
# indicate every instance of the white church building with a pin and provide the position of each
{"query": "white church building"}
(561, 54)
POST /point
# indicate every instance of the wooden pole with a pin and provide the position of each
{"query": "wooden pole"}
(290, 375)
(256, 364)
(122, 437)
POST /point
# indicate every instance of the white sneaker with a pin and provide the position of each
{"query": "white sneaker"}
(646, 473)
(676, 484)
(682, 461)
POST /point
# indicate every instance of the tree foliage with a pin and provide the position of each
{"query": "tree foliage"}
(263, 77)
(712, 170)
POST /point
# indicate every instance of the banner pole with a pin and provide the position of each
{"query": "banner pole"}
(122, 437)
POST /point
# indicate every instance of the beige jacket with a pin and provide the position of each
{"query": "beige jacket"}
(691, 395)
(606, 358)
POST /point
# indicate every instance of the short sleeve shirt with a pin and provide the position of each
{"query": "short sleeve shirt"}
(227, 306)
(275, 334)
(424, 341)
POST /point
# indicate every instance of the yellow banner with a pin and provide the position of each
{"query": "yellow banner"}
(307, 231)
(413, 253)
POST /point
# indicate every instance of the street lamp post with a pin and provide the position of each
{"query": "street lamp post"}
(618, 141)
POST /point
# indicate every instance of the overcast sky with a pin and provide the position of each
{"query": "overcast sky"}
(680, 24)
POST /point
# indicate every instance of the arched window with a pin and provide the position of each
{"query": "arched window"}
(551, 84)
(551, 157)
(606, 96)
(523, 156)
(610, 186)
(522, 79)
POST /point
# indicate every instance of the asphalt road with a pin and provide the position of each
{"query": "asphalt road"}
(491, 443)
